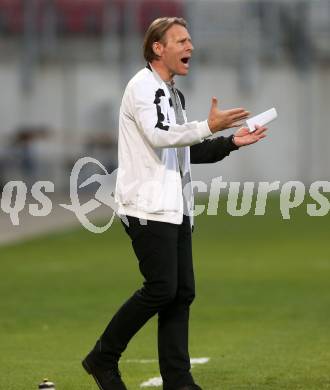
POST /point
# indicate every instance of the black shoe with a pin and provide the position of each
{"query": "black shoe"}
(190, 387)
(109, 379)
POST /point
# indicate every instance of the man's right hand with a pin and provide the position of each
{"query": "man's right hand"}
(220, 120)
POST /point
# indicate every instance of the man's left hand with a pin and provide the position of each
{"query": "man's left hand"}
(243, 137)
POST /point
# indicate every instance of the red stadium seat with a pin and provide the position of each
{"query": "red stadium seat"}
(80, 16)
(73, 16)
(152, 9)
(11, 16)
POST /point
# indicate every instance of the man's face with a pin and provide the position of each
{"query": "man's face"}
(176, 51)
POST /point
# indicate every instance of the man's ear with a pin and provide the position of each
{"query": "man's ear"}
(157, 47)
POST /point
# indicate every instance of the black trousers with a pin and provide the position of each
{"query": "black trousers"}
(164, 253)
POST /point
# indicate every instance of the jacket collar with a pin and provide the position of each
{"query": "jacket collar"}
(157, 77)
(148, 66)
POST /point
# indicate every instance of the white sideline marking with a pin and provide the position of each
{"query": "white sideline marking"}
(157, 381)
(202, 360)
(152, 382)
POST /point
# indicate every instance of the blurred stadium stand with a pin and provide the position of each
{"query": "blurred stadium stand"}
(64, 64)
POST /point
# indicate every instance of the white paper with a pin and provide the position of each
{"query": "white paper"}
(261, 119)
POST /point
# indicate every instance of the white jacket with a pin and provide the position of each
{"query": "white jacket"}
(149, 184)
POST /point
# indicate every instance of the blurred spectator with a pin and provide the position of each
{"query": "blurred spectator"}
(294, 18)
(25, 147)
(102, 147)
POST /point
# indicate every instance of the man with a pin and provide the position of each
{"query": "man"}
(153, 191)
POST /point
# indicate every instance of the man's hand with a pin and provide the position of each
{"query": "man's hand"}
(243, 137)
(221, 120)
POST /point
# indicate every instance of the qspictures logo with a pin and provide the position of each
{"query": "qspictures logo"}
(14, 196)
(105, 194)
(292, 194)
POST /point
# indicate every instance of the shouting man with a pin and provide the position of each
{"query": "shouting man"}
(156, 147)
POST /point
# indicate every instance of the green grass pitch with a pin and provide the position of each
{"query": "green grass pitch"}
(261, 313)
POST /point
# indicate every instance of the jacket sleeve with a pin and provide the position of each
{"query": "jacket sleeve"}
(211, 150)
(145, 110)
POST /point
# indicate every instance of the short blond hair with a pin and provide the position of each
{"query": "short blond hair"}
(156, 32)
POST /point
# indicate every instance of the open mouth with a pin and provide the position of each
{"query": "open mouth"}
(185, 60)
